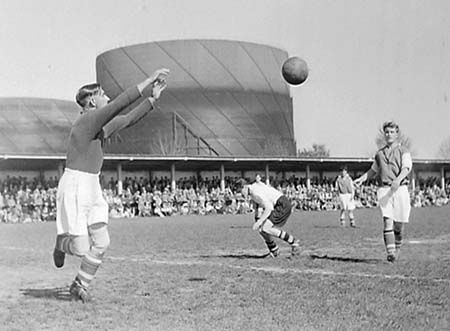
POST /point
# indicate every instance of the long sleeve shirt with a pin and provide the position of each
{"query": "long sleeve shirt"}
(84, 147)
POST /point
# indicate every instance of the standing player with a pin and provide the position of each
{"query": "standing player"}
(392, 164)
(82, 212)
(346, 192)
(272, 210)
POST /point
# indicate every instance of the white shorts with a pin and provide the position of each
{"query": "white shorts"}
(347, 203)
(79, 203)
(397, 205)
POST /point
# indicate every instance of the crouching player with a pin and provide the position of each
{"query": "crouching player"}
(392, 164)
(272, 210)
(82, 212)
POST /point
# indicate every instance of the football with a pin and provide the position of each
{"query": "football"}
(295, 70)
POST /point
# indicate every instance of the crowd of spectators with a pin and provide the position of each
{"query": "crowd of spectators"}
(23, 200)
(34, 200)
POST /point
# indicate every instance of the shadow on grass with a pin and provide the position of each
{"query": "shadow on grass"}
(57, 293)
(344, 259)
(237, 256)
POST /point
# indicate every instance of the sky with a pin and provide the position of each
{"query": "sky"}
(370, 60)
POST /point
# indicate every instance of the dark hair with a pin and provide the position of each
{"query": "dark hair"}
(85, 92)
(390, 124)
(343, 167)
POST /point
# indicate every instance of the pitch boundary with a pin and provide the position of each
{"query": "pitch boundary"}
(276, 270)
(270, 269)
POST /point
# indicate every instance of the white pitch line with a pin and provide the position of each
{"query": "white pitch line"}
(278, 270)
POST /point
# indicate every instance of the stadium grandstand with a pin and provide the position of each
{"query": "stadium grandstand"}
(227, 114)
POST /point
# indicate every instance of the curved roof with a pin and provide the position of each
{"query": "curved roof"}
(35, 126)
(196, 64)
(228, 93)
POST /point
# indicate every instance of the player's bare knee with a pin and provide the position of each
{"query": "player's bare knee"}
(100, 238)
(80, 245)
(266, 227)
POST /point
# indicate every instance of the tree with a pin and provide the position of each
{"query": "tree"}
(317, 150)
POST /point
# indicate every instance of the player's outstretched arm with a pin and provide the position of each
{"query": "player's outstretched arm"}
(123, 121)
(99, 117)
(159, 75)
(369, 174)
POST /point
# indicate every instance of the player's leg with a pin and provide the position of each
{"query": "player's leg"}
(97, 220)
(90, 261)
(351, 208)
(402, 210)
(269, 228)
(72, 245)
(351, 218)
(398, 234)
(389, 240)
(278, 218)
(343, 206)
(93, 258)
(386, 204)
(61, 246)
(69, 244)
(270, 243)
(342, 217)
(67, 220)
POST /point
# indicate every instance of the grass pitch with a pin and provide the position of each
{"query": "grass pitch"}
(210, 273)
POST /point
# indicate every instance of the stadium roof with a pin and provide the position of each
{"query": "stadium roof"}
(35, 126)
(182, 163)
(196, 64)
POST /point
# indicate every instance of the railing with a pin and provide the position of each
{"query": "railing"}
(187, 129)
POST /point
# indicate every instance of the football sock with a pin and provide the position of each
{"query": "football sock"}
(342, 217)
(63, 242)
(389, 241)
(286, 237)
(272, 246)
(89, 266)
(92, 260)
(398, 233)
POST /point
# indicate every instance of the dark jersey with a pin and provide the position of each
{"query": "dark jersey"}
(85, 144)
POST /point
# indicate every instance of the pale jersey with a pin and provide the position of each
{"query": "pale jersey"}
(389, 162)
(264, 195)
(344, 185)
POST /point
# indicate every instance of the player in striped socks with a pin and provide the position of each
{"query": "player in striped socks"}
(392, 164)
(82, 212)
(272, 210)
